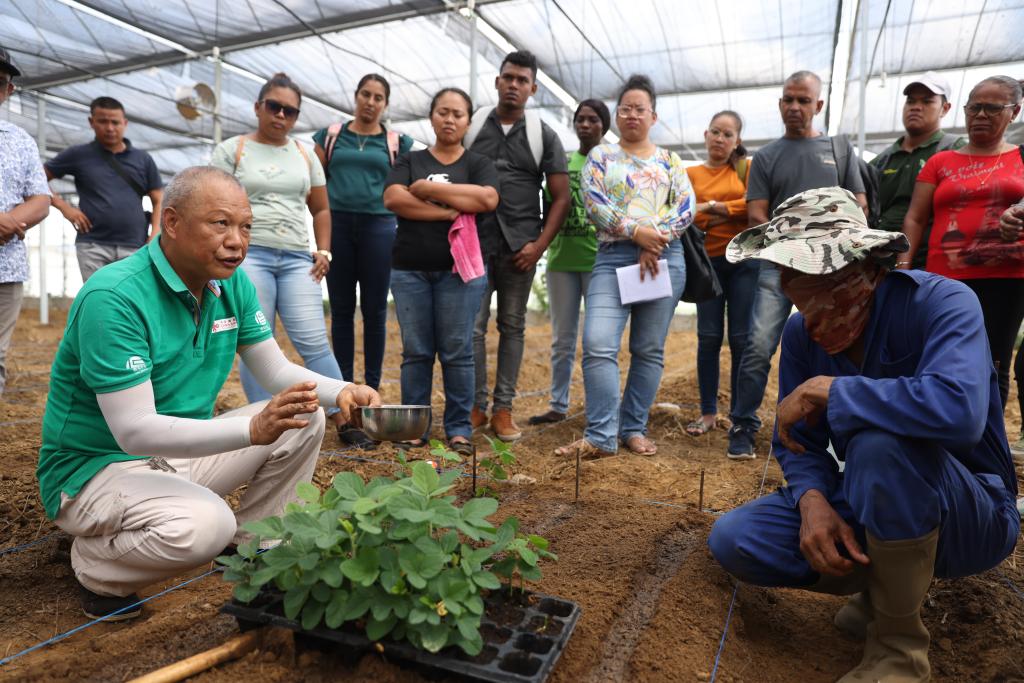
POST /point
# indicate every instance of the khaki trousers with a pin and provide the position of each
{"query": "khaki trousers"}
(134, 525)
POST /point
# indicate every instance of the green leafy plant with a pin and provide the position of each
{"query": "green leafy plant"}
(396, 555)
(497, 464)
(522, 556)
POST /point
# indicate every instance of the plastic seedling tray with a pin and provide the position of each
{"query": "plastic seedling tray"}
(523, 637)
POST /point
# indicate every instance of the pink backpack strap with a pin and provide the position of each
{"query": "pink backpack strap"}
(333, 131)
(394, 139)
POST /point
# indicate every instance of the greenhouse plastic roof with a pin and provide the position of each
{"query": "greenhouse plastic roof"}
(703, 57)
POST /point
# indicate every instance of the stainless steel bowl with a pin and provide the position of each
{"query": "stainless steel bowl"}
(396, 423)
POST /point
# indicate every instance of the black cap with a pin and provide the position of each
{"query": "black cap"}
(5, 63)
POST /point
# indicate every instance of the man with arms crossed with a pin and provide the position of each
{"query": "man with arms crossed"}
(132, 465)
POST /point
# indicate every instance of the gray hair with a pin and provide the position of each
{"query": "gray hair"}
(805, 76)
(179, 192)
(1008, 83)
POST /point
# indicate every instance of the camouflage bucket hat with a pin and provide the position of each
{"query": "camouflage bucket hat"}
(815, 232)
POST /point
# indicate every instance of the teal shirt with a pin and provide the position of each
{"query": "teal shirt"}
(359, 166)
(132, 321)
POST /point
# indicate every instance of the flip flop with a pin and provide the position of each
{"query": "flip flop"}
(464, 448)
(698, 427)
(641, 445)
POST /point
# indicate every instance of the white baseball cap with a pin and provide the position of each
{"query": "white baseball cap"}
(934, 82)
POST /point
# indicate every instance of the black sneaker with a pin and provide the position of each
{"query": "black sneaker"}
(741, 443)
(96, 606)
(355, 438)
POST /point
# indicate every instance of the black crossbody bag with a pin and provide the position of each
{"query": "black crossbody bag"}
(120, 170)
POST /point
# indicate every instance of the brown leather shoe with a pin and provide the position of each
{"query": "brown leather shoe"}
(503, 426)
(477, 418)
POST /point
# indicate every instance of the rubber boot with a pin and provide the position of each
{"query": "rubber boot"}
(896, 646)
(853, 617)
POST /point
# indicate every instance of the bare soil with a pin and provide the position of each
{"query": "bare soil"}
(632, 553)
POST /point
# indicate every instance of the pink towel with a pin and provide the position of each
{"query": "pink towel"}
(465, 246)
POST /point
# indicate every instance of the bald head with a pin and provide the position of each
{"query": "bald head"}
(193, 183)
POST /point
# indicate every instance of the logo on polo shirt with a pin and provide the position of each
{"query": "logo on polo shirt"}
(135, 364)
(260, 318)
(225, 324)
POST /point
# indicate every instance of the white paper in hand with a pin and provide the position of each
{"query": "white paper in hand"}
(632, 290)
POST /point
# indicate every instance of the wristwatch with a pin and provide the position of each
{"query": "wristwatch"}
(325, 253)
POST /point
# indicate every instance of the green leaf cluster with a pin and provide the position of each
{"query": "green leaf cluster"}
(397, 555)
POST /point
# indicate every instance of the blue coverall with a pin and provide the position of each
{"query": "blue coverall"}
(919, 426)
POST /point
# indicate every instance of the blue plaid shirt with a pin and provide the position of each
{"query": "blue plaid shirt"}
(21, 177)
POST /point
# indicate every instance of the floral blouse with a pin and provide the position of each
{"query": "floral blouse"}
(623, 192)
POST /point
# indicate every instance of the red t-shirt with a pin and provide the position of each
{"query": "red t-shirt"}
(970, 195)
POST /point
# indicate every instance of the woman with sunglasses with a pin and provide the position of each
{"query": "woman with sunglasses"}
(356, 159)
(284, 182)
(435, 302)
(720, 184)
(967, 190)
(639, 198)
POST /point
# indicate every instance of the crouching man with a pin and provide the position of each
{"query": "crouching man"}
(893, 369)
(132, 465)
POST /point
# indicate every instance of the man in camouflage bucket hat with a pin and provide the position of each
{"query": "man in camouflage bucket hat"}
(880, 366)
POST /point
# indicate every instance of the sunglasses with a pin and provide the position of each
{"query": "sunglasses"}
(274, 108)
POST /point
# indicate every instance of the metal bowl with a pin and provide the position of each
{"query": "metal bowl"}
(396, 423)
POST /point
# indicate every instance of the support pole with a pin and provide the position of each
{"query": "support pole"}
(471, 4)
(862, 24)
(44, 301)
(217, 133)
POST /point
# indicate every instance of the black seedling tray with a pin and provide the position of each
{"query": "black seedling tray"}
(523, 638)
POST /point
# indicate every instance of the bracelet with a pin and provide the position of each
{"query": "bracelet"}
(903, 263)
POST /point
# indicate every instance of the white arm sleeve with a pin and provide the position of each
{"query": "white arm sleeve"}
(275, 372)
(139, 430)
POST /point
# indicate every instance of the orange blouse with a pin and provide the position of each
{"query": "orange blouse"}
(724, 186)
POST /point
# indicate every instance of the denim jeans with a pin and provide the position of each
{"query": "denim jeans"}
(739, 282)
(436, 310)
(566, 290)
(771, 311)
(361, 252)
(513, 287)
(285, 288)
(608, 418)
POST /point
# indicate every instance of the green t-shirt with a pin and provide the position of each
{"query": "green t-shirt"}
(896, 184)
(359, 166)
(134, 321)
(277, 179)
(575, 246)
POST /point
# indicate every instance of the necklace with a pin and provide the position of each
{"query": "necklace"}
(990, 171)
(362, 140)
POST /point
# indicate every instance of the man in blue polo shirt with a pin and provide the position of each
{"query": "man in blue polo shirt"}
(111, 178)
(132, 463)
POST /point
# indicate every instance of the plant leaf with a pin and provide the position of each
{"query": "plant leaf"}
(307, 492)
(312, 613)
(335, 613)
(538, 541)
(358, 604)
(271, 527)
(244, 592)
(294, 600)
(476, 510)
(330, 573)
(424, 477)
(486, 579)
(349, 485)
(264, 575)
(375, 629)
(363, 568)
(301, 525)
(433, 638)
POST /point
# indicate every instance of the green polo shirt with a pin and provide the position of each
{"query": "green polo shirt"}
(896, 184)
(136, 320)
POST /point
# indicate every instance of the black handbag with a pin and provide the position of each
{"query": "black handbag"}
(701, 280)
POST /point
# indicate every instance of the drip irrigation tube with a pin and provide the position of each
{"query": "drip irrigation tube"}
(24, 546)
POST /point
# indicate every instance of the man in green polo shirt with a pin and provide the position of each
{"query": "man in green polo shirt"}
(927, 102)
(133, 464)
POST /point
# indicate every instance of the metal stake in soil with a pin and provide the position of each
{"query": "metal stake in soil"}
(474, 473)
(577, 474)
(700, 502)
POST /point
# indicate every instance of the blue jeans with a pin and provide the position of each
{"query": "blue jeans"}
(361, 252)
(771, 311)
(894, 488)
(285, 288)
(608, 418)
(436, 311)
(565, 292)
(739, 282)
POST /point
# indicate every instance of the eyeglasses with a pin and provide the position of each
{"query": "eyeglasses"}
(274, 108)
(629, 110)
(990, 109)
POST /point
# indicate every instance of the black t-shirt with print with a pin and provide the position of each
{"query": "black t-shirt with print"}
(423, 245)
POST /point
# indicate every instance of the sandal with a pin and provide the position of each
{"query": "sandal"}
(408, 445)
(579, 448)
(699, 427)
(462, 447)
(641, 445)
